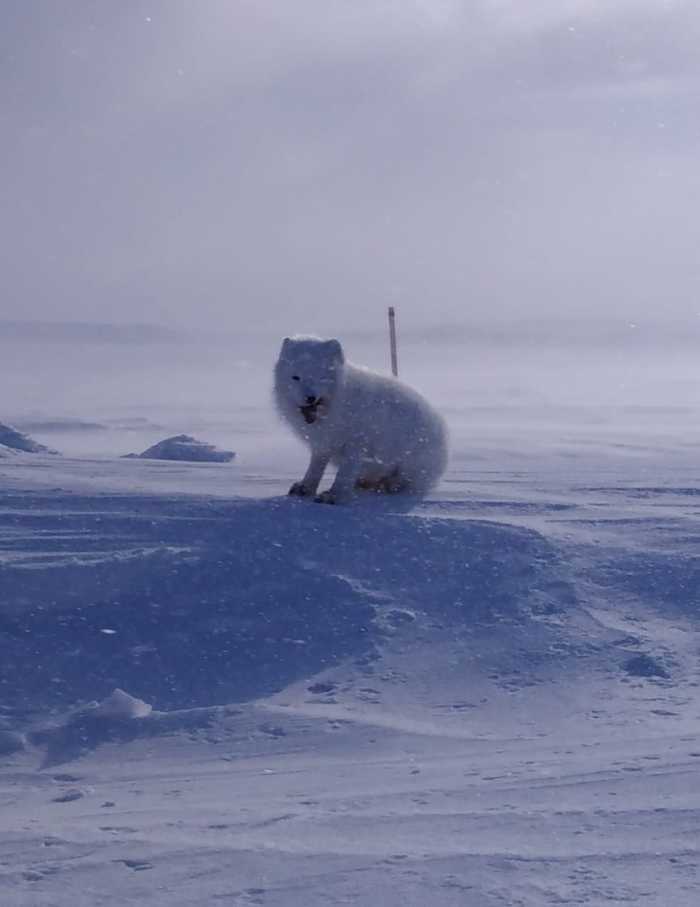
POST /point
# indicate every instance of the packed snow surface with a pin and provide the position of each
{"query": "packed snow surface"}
(211, 693)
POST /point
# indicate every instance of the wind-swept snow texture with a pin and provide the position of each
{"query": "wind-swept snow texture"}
(487, 698)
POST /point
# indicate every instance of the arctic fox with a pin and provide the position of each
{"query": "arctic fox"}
(381, 434)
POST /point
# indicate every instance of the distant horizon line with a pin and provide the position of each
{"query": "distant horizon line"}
(524, 330)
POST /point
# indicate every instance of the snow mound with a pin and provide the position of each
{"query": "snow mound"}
(184, 447)
(202, 621)
(121, 705)
(119, 717)
(14, 440)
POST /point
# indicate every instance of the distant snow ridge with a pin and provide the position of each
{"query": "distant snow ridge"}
(183, 447)
(60, 424)
(12, 440)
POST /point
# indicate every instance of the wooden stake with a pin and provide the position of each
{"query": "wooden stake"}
(392, 342)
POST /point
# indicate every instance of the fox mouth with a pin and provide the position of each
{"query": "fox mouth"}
(310, 411)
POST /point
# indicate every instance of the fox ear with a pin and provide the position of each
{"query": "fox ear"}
(337, 350)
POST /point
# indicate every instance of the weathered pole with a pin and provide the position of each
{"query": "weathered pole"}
(392, 342)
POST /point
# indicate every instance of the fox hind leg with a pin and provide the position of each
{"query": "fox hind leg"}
(392, 483)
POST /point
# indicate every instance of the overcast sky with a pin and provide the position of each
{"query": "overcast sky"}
(299, 165)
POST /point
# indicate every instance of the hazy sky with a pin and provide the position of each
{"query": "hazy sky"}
(299, 165)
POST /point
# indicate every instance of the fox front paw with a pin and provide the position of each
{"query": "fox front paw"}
(300, 490)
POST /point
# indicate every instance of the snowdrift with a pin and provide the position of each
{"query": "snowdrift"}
(13, 440)
(216, 603)
(184, 447)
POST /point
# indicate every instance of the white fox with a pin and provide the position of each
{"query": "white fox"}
(381, 434)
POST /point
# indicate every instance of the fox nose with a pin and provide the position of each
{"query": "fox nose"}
(310, 399)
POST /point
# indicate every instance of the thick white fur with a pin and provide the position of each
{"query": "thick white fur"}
(380, 433)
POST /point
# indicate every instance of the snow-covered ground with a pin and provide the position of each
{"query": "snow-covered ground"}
(487, 698)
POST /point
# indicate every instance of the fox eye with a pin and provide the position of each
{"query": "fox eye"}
(296, 378)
